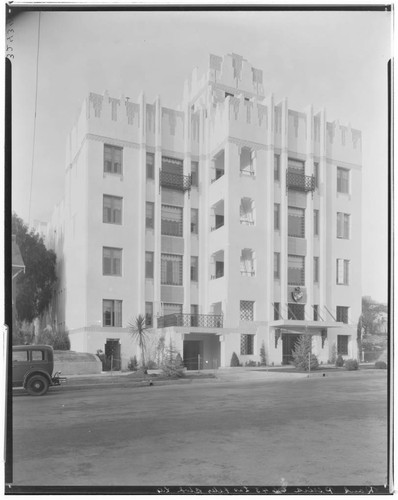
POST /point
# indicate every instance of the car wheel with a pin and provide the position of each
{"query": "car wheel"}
(37, 385)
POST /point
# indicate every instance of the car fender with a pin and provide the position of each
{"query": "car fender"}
(36, 372)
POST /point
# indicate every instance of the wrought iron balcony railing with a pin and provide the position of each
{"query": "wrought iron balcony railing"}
(300, 182)
(175, 181)
(188, 320)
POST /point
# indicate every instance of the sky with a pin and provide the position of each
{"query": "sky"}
(336, 60)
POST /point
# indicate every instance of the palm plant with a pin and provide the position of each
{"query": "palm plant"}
(140, 334)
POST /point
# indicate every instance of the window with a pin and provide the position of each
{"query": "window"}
(20, 355)
(316, 269)
(343, 180)
(296, 270)
(150, 166)
(219, 269)
(342, 344)
(247, 310)
(277, 311)
(342, 271)
(195, 173)
(37, 355)
(149, 215)
(276, 216)
(295, 311)
(247, 258)
(316, 174)
(277, 167)
(277, 265)
(112, 209)
(194, 314)
(112, 159)
(296, 166)
(247, 211)
(148, 314)
(112, 312)
(316, 222)
(343, 225)
(171, 269)
(111, 261)
(172, 309)
(246, 344)
(296, 222)
(194, 220)
(342, 314)
(194, 268)
(247, 161)
(148, 264)
(171, 220)
(316, 312)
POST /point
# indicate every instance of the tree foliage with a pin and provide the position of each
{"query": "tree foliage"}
(370, 318)
(35, 287)
(302, 357)
(140, 334)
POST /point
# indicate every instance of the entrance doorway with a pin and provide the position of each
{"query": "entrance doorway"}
(288, 342)
(192, 350)
(112, 355)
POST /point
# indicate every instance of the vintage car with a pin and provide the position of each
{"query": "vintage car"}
(32, 368)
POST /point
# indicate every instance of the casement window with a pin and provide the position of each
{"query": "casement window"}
(113, 159)
(247, 310)
(343, 180)
(148, 264)
(149, 215)
(150, 166)
(277, 168)
(316, 312)
(194, 220)
(247, 262)
(149, 314)
(247, 211)
(316, 222)
(342, 271)
(277, 216)
(296, 166)
(296, 270)
(316, 175)
(112, 209)
(342, 314)
(169, 308)
(172, 220)
(277, 311)
(295, 311)
(342, 344)
(172, 165)
(247, 161)
(277, 265)
(343, 225)
(194, 268)
(111, 261)
(111, 313)
(195, 173)
(296, 222)
(246, 344)
(171, 269)
(316, 269)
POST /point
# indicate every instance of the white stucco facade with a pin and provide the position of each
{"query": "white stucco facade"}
(251, 216)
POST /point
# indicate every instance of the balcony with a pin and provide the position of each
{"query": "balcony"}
(300, 182)
(188, 320)
(175, 181)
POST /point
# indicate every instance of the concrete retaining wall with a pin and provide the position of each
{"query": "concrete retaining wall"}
(76, 363)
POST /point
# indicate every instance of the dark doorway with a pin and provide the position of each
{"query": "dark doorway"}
(192, 351)
(112, 355)
(288, 342)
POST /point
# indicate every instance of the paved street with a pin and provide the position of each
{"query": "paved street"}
(309, 431)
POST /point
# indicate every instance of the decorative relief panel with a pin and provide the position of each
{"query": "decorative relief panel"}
(96, 101)
(132, 111)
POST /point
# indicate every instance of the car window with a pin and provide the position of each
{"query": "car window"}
(20, 355)
(37, 355)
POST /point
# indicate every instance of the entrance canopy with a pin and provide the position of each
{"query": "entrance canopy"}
(300, 326)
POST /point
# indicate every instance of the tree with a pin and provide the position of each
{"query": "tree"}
(302, 357)
(35, 287)
(262, 354)
(370, 318)
(140, 334)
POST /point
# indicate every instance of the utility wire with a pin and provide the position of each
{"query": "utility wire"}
(34, 122)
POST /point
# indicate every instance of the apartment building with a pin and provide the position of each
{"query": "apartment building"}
(232, 223)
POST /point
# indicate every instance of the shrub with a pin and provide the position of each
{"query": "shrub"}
(262, 354)
(133, 364)
(339, 361)
(173, 365)
(151, 364)
(301, 354)
(235, 360)
(250, 363)
(351, 364)
(381, 365)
